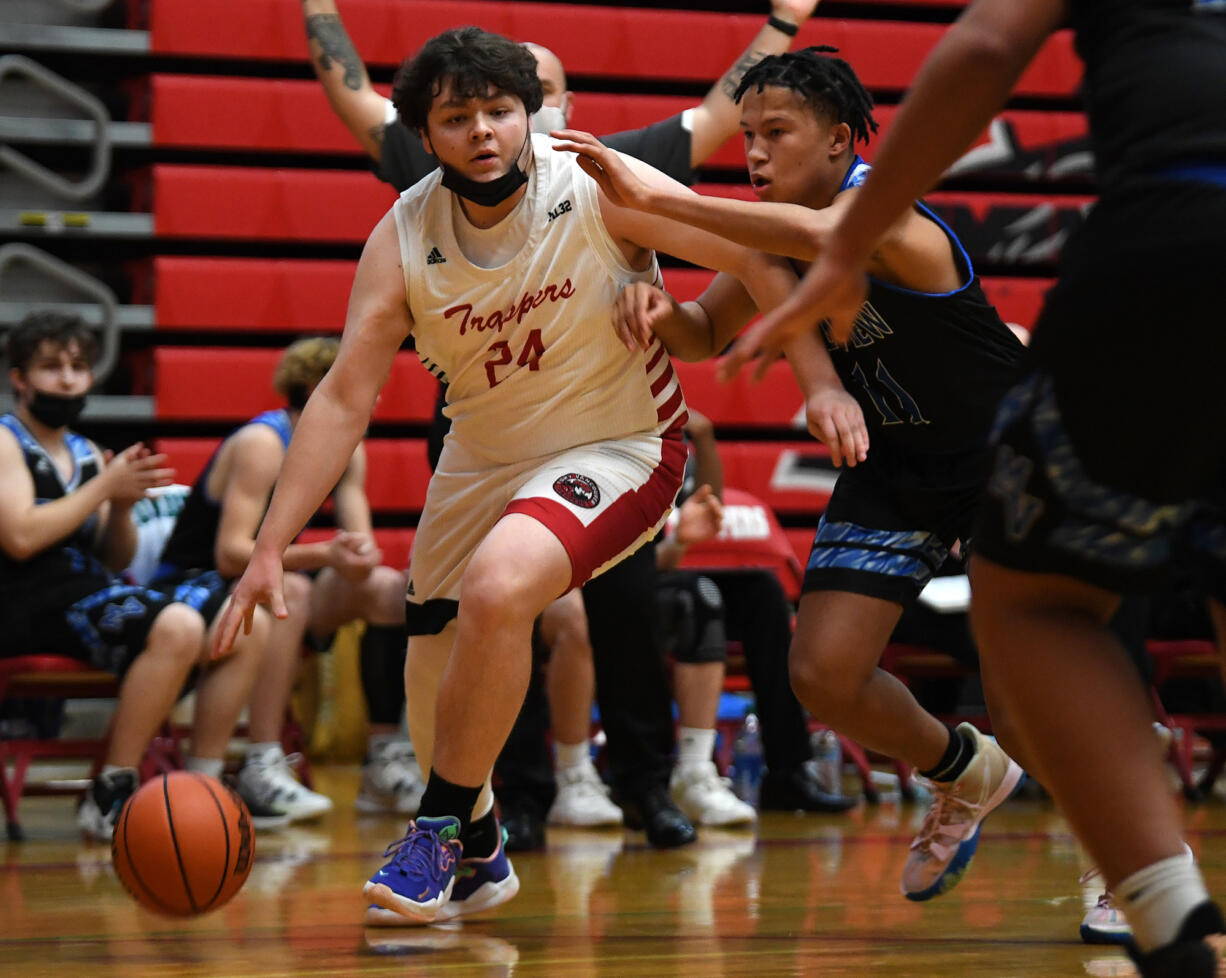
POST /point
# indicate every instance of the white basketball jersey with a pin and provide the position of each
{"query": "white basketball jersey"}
(527, 349)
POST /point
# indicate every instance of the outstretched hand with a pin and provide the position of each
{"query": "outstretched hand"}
(637, 310)
(605, 166)
(262, 583)
(832, 289)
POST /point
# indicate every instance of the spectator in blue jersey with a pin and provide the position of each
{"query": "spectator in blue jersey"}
(327, 583)
(927, 363)
(1109, 469)
(65, 534)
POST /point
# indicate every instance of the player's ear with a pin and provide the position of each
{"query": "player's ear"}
(425, 138)
(840, 138)
(568, 106)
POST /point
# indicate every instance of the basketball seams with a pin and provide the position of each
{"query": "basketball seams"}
(225, 827)
(127, 852)
(174, 839)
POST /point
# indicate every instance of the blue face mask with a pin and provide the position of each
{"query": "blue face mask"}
(490, 193)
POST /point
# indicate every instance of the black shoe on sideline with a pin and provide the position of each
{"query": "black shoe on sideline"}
(797, 790)
(655, 811)
(525, 830)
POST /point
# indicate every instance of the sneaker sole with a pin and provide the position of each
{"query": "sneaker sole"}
(967, 848)
(1092, 935)
(409, 912)
(487, 897)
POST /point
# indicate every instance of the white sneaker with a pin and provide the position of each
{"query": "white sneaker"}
(391, 781)
(948, 838)
(1104, 922)
(266, 781)
(582, 799)
(707, 798)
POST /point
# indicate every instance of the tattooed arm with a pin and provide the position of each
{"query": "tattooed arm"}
(717, 117)
(343, 76)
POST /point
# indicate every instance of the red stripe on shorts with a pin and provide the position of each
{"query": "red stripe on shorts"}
(622, 523)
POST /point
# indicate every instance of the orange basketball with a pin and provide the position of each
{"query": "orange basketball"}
(183, 844)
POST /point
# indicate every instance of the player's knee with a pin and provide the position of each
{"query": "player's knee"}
(495, 595)
(820, 684)
(178, 632)
(297, 591)
(252, 644)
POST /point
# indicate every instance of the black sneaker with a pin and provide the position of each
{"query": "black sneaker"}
(798, 790)
(524, 828)
(103, 802)
(264, 818)
(1189, 955)
(655, 812)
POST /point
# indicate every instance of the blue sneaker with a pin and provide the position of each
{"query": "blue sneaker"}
(418, 881)
(480, 884)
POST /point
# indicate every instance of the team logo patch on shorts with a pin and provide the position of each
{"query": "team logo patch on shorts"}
(578, 490)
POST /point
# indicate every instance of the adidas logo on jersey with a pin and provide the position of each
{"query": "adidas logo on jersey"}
(435, 257)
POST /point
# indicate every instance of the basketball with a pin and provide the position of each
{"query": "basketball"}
(183, 844)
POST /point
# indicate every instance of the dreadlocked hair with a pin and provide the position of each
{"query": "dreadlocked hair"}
(828, 85)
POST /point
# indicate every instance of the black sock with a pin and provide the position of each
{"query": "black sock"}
(953, 762)
(481, 837)
(444, 798)
(382, 664)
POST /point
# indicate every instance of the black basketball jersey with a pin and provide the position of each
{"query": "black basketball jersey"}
(1155, 83)
(67, 570)
(928, 370)
(192, 541)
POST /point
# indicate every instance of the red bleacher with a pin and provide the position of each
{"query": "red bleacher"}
(302, 295)
(294, 116)
(250, 203)
(633, 42)
(224, 296)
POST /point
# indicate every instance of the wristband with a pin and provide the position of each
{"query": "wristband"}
(782, 26)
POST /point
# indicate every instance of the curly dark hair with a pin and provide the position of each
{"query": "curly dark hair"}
(474, 61)
(828, 85)
(61, 328)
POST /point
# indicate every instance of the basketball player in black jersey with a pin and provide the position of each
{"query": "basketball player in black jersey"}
(1111, 463)
(65, 533)
(927, 362)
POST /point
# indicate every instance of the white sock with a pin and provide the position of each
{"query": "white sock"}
(109, 769)
(212, 766)
(1156, 899)
(569, 756)
(695, 745)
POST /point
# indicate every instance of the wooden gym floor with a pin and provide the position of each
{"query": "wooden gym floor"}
(807, 895)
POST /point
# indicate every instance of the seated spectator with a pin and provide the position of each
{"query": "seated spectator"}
(327, 584)
(65, 532)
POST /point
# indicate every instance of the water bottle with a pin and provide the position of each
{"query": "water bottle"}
(747, 760)
(827, 761)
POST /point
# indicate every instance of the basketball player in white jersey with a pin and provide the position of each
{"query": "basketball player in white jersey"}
(565, 451)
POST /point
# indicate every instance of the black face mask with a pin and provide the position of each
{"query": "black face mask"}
(55, 410)
(491, 193)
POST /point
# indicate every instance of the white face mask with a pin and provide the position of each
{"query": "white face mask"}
(548, 117)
